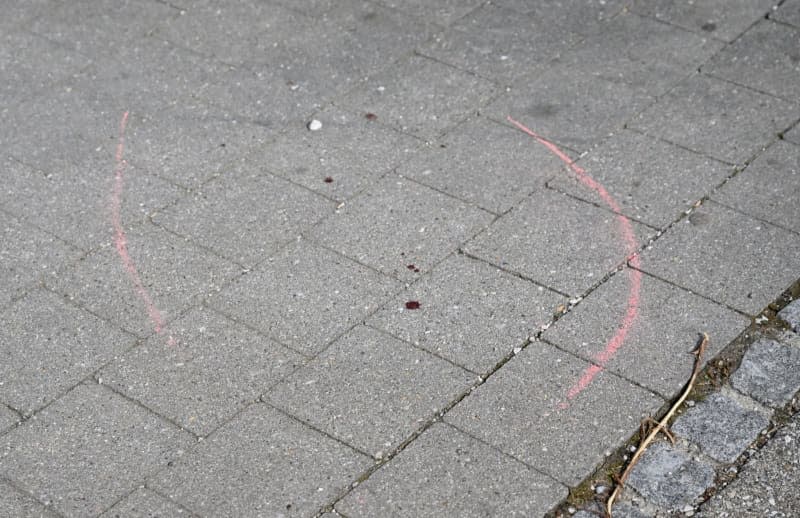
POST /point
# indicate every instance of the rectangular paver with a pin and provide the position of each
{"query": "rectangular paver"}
(768, 188)
(496, 176)
(519, 411)
(27, 256)
(144, 503)
(652, 181)
(770, 371)
(304, 296)
(570, 106)
(656, 352)
(420, 96)
(48, 346)
(261, 463)
(348, 153)
(725, 121)
(87, 450)
(448, 473)
(500, 44)
(556, 240)
(696, 254)
(765, 58)
(398, 222)
(723, 19)
(16, 503)
(173, 272)
(645, 54)
(370, 390)
(246, 214)
(470, 312)
(210, 369)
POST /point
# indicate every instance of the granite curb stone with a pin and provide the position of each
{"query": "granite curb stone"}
(770, 371)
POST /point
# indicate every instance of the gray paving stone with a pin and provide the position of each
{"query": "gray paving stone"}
(370, 390)
(556, 240)
(769, 188)
(18, 16)
(419, 96)
(766, 58)
(499, 43)
(246, 214)
(447, 473)
(210, 370)
(28, 256)
(625, 510)
(696, 254)
(518, 410)
(470, 313)
(724, 19)
(721, 427)
(7, 418)
(791, 315)
(30, 63)
(144, 503)
(584, 17)
(569, 105)
(787, 12)
(398, 222)
(88, 450)
(14, 503)
(261, 463)
(642, 53)
(725, 121)
(669, 477)
(651, 180)
(349, 149)
(444, 12)
(101, 27)
(770, 372)
(49, 346)
(188, 144)
(174, 272)
(656, 350)
(793, 135)
(485, 163)
(77, 206)
(304, 296)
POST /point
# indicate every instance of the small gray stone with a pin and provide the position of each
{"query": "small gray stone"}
(445, 472)
(144, 503)
(791, 315)
(669, 477)
(770, 372)
(721, 427)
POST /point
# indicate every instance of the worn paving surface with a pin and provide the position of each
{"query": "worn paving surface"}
(416, 309)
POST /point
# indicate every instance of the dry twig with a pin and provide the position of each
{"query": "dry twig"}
(661, 426)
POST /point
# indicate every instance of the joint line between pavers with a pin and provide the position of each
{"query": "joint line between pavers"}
(789, 100)
(33, 497)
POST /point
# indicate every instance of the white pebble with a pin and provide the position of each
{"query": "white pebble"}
(315, 125)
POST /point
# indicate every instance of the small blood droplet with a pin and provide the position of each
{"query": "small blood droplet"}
(371, 116)
(328, 179)
(412, 304)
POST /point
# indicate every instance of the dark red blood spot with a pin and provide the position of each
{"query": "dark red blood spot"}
(371, 116)
(411, 267)
(412, 304)
(328, 179)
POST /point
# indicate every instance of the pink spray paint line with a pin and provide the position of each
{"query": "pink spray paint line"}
(615, 342)
(121, 240)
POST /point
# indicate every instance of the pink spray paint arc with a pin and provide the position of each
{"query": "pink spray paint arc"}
(635, 276)
(121, 240)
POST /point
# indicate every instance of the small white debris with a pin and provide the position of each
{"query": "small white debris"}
(381, 88)
(517, 350)
(761, 319)
(315, 125)
(690, 403)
